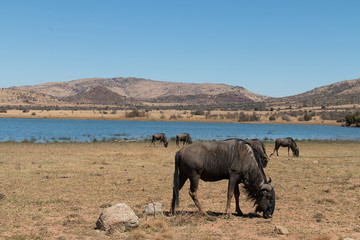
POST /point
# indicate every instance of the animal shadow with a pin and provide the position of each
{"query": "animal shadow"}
(212, 214)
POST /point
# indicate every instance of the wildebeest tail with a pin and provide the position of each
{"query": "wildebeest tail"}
(176, 179)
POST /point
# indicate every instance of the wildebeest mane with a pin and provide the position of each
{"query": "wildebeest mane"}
(253, 180)
(256, 152)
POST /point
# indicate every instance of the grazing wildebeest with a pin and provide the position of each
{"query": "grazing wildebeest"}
(213, 161)
(286, 142)
(184, 137)
(159, 137)
(258, 146)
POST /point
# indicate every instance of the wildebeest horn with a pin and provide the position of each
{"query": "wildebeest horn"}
(269, 180)
(266, 186)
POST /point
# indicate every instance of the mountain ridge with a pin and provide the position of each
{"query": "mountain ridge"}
(115, 90)
(138, 88)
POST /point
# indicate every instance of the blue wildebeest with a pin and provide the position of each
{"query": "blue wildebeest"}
(213, 161)
(258, 146)
(184, 137)
(159, 137)
(286, 142)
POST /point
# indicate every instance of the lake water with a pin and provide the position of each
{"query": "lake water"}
(51, 130)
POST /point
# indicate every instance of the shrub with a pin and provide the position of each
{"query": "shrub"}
(173, 117)
(285, 117)
(272, 118)
(198, 112)
(353, 119)
(248, 117)
(134, 113)
(307, 117)
(3, 109)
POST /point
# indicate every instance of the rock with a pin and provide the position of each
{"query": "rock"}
(315, 162)
(2, 196)
(153, 208)
(281, 230)
(349, 238)
(105, 205)
(118, 216)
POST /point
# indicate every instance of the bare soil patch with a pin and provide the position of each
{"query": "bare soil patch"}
(56, 190)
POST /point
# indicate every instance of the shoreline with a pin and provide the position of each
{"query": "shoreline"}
(159, 116)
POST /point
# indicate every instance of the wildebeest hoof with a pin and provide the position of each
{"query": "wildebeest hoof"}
(201, 213)
(239, 213)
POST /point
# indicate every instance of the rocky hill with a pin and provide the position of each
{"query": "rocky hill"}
(340, 93)
(114, 91)
(144, 89)
(97, 95)
(12, 97)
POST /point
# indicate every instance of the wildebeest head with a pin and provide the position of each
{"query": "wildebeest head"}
(296, 152)
(266, 202)
(166, 144)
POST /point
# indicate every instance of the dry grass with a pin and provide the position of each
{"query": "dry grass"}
(56, 190)
(160, 115)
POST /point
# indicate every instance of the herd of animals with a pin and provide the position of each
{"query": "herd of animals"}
(239, 161)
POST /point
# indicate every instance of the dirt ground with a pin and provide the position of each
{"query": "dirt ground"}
(56, 190)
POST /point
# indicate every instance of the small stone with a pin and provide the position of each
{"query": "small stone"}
(281, 230)
(2, 196)
(153, 209)
(105, 205)
(315, 162)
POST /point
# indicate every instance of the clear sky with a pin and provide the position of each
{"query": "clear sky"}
(274, 48)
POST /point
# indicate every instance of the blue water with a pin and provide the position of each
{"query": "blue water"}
(51, 130)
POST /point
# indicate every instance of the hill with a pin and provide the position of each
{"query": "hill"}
(147, 90)
(13, 97)
(114, 91)
(340, 93)
(98, 95)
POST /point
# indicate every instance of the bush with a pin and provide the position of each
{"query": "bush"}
(134, 113)
(248, 117)
(353, 119)
(198, 112)
(272, 118)
(307, 117)
(3, 110)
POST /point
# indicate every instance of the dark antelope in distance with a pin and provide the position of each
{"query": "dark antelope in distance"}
(183, 137)
(159, 137)
(286, 142)
(213, 161)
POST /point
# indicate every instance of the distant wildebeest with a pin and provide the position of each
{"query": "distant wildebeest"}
(286, 142)
(183, 137)
(213, 161)
(159, 137)
(258, 146)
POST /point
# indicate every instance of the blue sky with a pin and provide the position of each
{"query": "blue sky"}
(274, 48)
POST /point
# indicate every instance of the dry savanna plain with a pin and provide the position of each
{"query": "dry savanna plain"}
(57, 190)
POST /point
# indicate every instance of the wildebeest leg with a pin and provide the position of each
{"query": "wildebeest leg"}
(194, 183)
(288, 151)
(272, 153)
(182, 181)
(231, 188)
(237, 195)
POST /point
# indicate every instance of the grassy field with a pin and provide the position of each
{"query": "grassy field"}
(56, 190)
